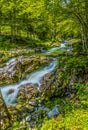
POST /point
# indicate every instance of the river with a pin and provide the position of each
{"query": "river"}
(9, 92)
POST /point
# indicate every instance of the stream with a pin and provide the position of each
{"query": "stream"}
(9, 92)
(55, 49)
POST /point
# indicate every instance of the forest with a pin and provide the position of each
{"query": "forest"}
(44, 64)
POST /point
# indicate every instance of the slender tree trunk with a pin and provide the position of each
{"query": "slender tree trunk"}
(83, 42)
(0, 29)
(27, 33)
(84, 38)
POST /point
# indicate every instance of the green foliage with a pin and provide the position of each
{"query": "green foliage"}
(76, 64)
(46, 20)
(82, 92)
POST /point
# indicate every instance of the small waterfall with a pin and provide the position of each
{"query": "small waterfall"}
(37, 76)
(10, 92)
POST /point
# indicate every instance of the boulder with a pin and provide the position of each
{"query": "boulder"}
(27, 94)
(54, 112)
(49, 86)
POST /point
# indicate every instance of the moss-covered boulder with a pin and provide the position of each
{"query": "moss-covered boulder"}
(49, 86)
(27, 94)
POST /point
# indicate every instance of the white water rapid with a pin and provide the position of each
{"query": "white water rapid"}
(62, 45)
(10, 92)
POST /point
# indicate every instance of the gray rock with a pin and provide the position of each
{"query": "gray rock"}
(53, 112)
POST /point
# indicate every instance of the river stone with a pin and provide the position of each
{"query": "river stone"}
(10, 91)
(49, 86)
(55, 45)
(54, 112)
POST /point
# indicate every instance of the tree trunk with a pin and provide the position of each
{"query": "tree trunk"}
(83, 42)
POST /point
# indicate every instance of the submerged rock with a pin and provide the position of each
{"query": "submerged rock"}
(10, 91)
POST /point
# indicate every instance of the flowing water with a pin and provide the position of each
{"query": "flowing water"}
(1, 69)
(54, 49)
(10, 92)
